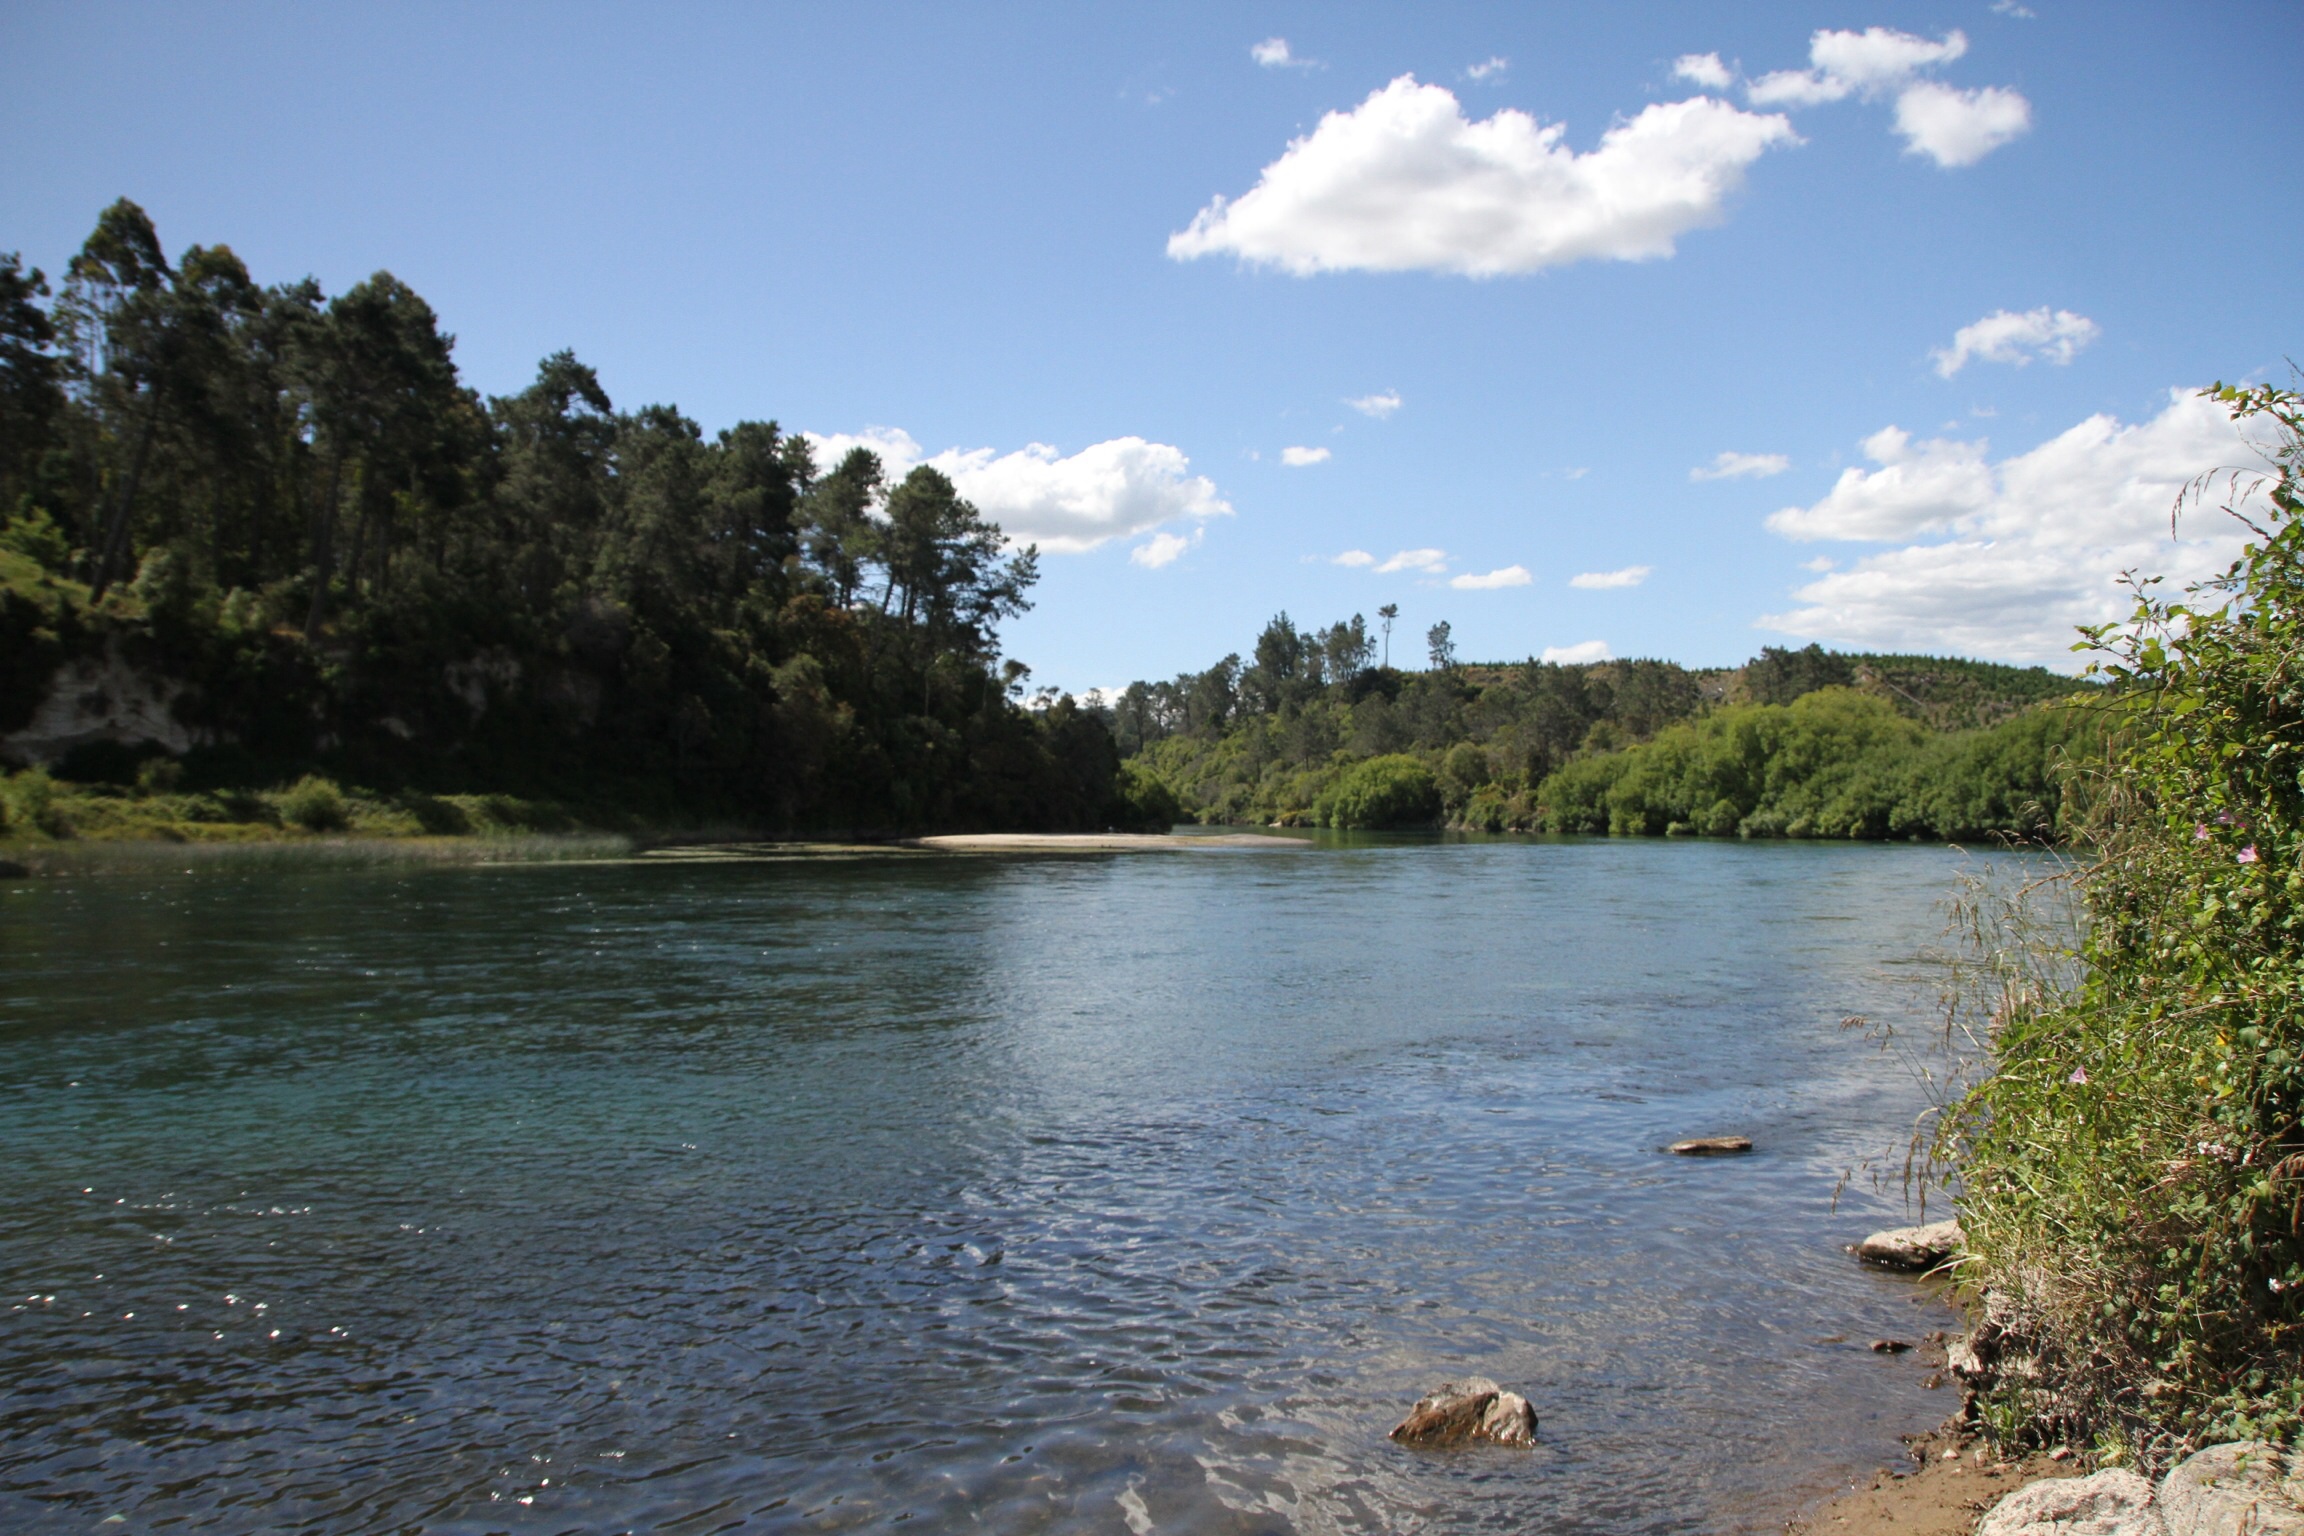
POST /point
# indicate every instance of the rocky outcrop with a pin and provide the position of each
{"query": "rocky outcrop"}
(1472, 1411)
(1711, 1146)
(102, 698)
(1911, 1247)
(2111, 1503)
(2243, 1489)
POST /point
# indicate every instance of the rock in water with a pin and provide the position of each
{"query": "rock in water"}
(2244, 1489)
(2114, 1503)
(1911, 1247)
(1711, 1146)
(1465, 1412)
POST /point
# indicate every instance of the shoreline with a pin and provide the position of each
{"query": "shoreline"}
(1954, 1479)
(123, 855)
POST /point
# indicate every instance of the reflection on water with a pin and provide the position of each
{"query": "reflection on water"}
(1112, 1193)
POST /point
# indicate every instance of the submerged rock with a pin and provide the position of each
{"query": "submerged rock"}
(1711, 1146)
(1911, 1247)
(1474, 1410)
(2244, 1489)
(2114, 1503)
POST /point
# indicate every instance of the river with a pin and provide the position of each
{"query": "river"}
(1089, 1193)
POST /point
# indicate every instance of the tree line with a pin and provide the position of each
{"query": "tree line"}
(290, 505)
(1309, 730)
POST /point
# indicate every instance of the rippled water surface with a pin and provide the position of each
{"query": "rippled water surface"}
(1116, 1193)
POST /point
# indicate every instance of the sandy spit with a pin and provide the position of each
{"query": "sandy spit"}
(1097, 842)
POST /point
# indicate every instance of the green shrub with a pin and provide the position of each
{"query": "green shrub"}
(32, 533)
(33, 800)
(316, 804)
(1145, 802)
(159, 776)
(1393, 791)
(2133, 1167)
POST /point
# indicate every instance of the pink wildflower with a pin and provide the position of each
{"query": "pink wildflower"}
(2248, 854)
(2199, 831)
(2079, 1076)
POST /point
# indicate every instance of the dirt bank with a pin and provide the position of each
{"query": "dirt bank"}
(1953, 1480)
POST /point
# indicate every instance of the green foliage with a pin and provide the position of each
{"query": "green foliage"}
(33, 803)
(1147, 804)
(1833, 763)
(2133, 1167)
(1391, 791)
(292, 507)
(1858, 746)
(316, 805)
(32, 533)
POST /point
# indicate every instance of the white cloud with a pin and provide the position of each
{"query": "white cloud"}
(1953, 127)
(1299, 457)
(1273, 53)
(1605, 581)
(2026, 548)
(2007, 337)
(1727, 465)
(1494, 65)
(1879, 57)
(1354, 557)
(2011, 9)
(897, 450)
(1108, 490)
(1923, 489)
(1582, 651)
(1506, 576)
(1794, 88)
(1869, 62)
(1406, 182)
(1577, 473)
(1378, 406)
(1432, 562)
(1703, 69)
(1162, 549)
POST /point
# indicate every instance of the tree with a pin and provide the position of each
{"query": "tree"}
(946, 579)
(1346, 649)
(1440, 647)
(1388, 613)
(383, 397)
(117, 324)
(839, 534)
(31, 396)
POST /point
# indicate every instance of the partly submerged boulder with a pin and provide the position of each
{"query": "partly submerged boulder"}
(1711, 1146)
(2244, 1489)
(1911, 1247)
(1474, 1410)
(2113, 1503)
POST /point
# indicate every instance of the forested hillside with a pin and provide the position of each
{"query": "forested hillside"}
(1793, 743)
(283, 518)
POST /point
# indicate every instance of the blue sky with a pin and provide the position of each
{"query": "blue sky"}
(957, 228)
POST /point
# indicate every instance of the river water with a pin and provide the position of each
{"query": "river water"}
(1116, 1193)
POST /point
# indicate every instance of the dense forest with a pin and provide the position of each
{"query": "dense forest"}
(1806, 743)
(283, 523)
(285, 516)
